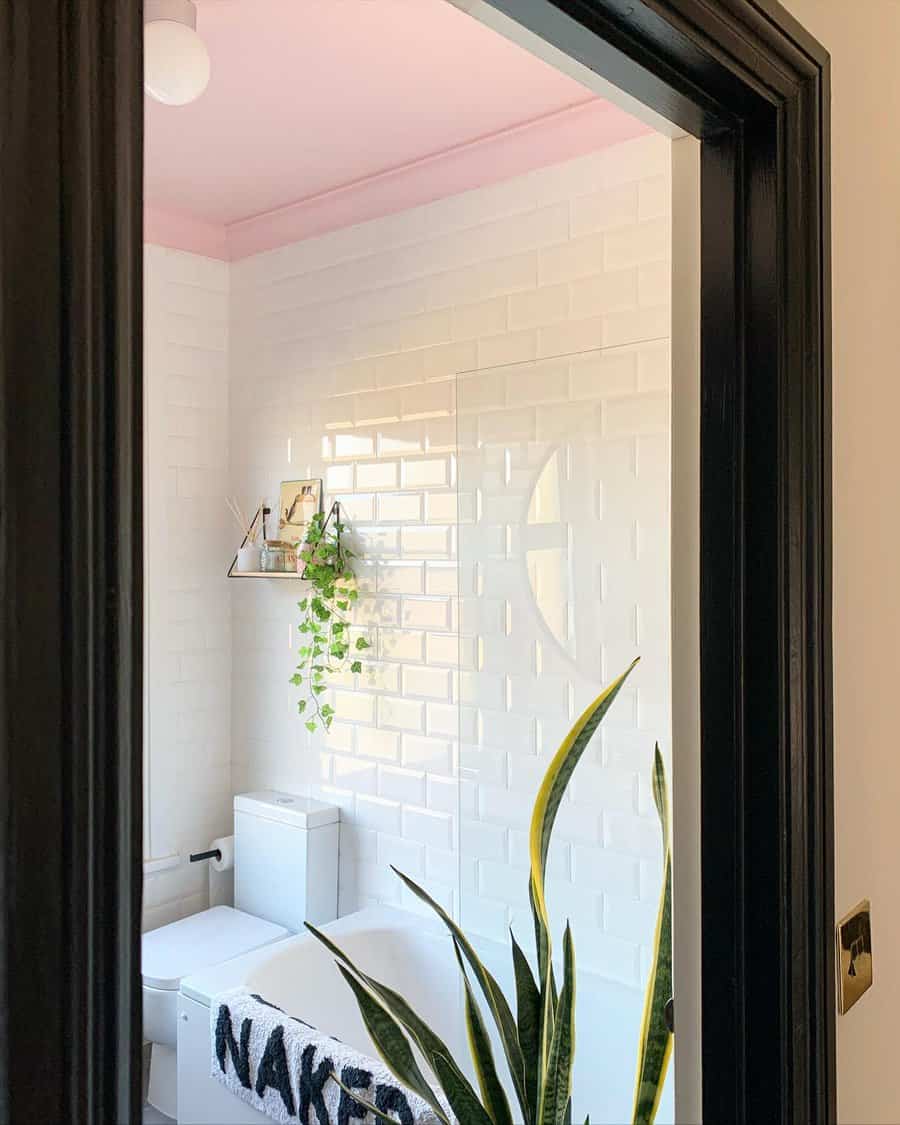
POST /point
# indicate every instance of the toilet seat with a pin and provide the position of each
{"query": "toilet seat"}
(208, 938)
(175, 951)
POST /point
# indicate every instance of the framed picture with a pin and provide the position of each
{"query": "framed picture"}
(300, 500)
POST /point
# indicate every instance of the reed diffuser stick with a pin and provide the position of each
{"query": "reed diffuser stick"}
(247, 528)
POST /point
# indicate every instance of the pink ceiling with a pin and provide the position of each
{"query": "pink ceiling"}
(308, 97)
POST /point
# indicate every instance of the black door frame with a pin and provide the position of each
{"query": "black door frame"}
(746, 79)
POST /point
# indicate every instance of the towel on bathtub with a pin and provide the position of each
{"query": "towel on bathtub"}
(284, 1067)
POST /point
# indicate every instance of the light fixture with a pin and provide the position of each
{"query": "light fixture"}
(176, 61)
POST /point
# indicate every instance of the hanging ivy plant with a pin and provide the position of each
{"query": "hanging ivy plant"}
(326, 648)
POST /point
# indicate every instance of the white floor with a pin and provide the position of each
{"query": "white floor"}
(152, 1116)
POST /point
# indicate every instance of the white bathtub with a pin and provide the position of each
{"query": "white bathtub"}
(413, 955)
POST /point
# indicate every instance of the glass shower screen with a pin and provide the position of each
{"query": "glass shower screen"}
(563, 478)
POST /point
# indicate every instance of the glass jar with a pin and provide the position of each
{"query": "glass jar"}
(272, 557)
(278, 557)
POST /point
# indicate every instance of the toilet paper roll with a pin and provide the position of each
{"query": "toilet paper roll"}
(226, 846)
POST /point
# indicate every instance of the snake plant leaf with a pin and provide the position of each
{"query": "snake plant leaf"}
(528, 1015)
(462, 1098)
(424, 1038)
(556, 1094)
(655, 1046)
(500, 1010)
(543, 817)
(557, 778)
(542, 944)
(547, 995)
(377, 1113)
(661, 794)
(492, 1093)
(391, 1044)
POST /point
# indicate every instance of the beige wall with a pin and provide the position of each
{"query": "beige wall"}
(863, 37)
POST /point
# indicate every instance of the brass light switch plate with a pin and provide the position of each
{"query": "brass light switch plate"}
(854, 950)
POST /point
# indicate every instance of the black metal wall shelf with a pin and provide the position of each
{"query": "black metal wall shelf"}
(334, 513)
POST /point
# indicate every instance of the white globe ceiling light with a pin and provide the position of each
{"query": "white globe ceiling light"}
(176, 61)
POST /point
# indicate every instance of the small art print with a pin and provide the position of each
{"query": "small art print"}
(300, 501)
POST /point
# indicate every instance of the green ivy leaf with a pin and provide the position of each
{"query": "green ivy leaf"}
(333, 592)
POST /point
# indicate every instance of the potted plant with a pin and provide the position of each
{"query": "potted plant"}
(539, 1040)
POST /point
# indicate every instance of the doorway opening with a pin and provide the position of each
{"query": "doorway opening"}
(446, 309)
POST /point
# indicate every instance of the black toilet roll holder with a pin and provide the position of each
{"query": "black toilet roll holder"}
(214, 853)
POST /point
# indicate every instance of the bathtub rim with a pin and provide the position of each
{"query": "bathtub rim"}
(204, 985)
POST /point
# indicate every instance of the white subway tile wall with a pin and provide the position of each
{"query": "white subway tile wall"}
(513, 524)
(188, 540)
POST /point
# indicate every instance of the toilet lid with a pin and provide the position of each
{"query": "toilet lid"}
(203, 939)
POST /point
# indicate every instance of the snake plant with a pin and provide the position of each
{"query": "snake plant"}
(655, 1045)
(538, 1042)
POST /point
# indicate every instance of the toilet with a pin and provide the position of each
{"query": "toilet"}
(285, 873)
